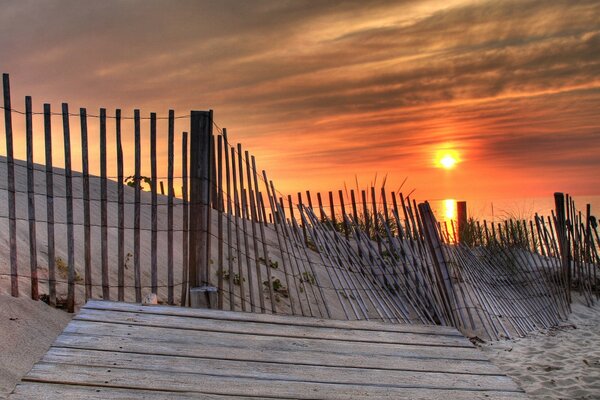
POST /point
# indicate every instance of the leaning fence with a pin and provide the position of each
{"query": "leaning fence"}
(369, 254)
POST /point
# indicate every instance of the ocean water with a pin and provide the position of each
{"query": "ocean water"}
(518, 208)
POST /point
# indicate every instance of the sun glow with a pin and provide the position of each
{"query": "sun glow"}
(447, 159)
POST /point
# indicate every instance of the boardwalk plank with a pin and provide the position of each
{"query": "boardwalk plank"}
(269, 329)
(257, 386)
(116, 350)
(277, 371)
(277, 319)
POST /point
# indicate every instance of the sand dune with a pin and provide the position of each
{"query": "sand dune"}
(27, 329)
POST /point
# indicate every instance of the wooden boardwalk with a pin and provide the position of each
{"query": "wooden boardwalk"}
(116, 350)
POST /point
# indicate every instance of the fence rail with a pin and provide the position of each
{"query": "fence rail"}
(364, 254)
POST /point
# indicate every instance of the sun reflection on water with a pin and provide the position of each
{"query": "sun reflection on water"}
(449, 209)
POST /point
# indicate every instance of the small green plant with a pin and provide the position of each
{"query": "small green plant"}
(133, 182)
(312, 245)
(272, 264)
(277, 287)
(63, 269)
(236, 278)
(308, 278)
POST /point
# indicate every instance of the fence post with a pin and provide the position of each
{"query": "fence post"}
(563, 240)
(461, 219)
(200, 192)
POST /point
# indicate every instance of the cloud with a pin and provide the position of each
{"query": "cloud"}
(315, 85)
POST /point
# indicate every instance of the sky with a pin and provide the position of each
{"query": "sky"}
(328, 93)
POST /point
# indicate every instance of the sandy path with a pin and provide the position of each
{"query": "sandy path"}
(560, 363)
(27, 329)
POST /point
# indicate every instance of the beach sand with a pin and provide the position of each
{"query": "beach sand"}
(27, 329)
(559, 363)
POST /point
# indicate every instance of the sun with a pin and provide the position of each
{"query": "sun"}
(448, 162)
(447, 159)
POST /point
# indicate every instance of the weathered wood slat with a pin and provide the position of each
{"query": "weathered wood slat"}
(280, 319)
(268, 352)
(265, 387)
(275, 371)
(124, 351)
(267, 329)
(31, 199)
(73, 392)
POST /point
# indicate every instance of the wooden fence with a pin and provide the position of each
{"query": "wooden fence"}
(366, 254)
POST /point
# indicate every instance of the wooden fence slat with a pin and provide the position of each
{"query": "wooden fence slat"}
(171, 138)
(238, 217)
(220, 212)
(230, 257)
(103, 207)
(321, 210)
(87, 252)
(31, 200)
(154, 208)
(121, 210)
(136, 212)
(253, 222)
(343, 215)
(69, 204)
(50, 204)
(332, 209)
(185, 205)
(10, 176)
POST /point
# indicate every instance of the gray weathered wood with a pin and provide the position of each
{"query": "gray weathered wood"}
(50, 204)
(130, 351)
(69, 205)
(10, 176)
(104, 208)
(31, 200)
(137, 209)
(154, 207)
(121, 211)
(184, 232)
(87, 252)
(200, 173)
(171, 144)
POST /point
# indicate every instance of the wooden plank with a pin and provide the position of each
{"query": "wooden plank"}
(171, 144)
(31, 199)
(154, 208)
(55, 391)
(69, 206)
(405, 354)
(50, 205)
(274, 371)
(137, 209)
(268, 329)
(121, 211)
(280, 319)
(104, 208)
(256, 386)
(87, 241)
(10, 176)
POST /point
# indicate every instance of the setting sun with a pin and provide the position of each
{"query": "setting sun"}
(447, 159)
(448, 162)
